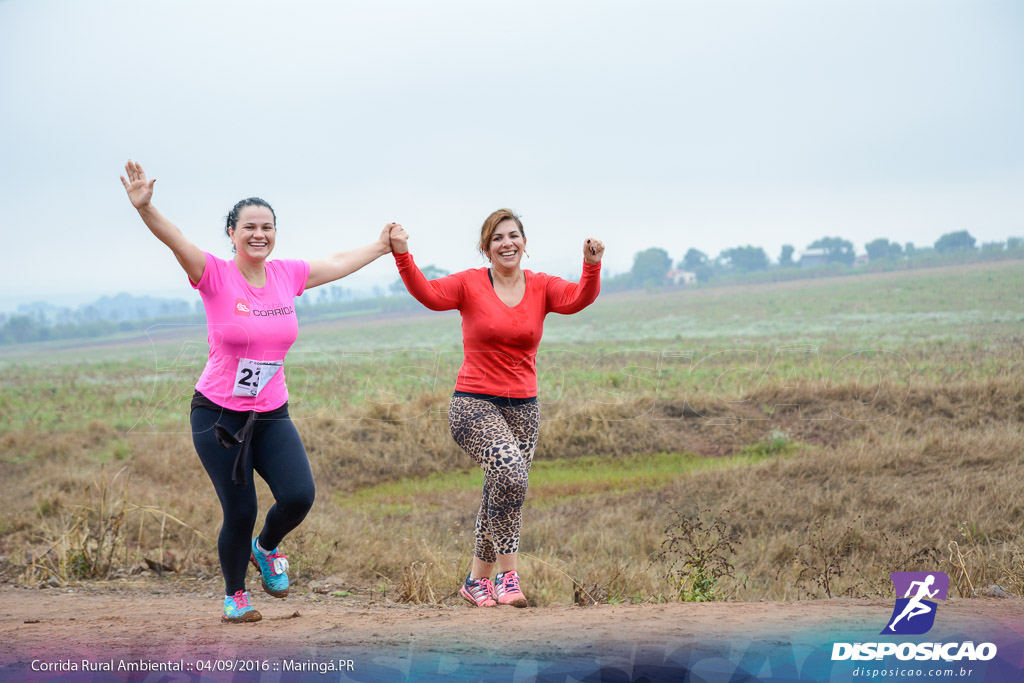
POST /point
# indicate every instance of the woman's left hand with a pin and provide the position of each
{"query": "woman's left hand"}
(399, 238)
(593, 250)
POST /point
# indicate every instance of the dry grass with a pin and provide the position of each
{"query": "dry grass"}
(851, 482)
(930, 479)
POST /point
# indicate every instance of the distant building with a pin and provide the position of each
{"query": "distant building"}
(860, 260)
(681, 277)
(813, 257)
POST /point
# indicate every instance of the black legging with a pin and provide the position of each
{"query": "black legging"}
(280, 458)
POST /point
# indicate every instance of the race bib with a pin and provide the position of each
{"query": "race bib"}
(253, 375)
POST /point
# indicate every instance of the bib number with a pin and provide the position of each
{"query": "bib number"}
(253, 375)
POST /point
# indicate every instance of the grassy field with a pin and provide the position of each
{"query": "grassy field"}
(782, 441)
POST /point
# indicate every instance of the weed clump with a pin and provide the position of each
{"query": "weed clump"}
(698, 552)
(90, 540)
(978, 566)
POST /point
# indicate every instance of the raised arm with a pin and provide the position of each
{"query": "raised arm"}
(442, 294)
(344, 263)
(140, 193)
(572, 297)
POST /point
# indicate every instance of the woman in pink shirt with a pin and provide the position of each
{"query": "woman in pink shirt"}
(494, 415)
(239, 415)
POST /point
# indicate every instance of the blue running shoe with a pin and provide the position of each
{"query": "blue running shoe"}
(237, 609)
(273, 569)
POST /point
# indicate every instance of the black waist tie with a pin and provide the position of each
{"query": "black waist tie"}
(504, 401)
(243, 436)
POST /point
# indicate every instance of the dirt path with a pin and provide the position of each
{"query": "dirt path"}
(171, 622)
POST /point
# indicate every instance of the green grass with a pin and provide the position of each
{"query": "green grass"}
(775, 444)
(721, 343)
(555, 481)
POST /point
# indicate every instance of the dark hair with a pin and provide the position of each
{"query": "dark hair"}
(231, 221)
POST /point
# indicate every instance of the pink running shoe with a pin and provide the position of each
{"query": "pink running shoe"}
(479, 592)
(507, 590)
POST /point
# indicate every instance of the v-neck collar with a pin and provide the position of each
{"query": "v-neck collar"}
(491, 278)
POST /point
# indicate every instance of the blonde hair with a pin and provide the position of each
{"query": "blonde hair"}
(491, 224)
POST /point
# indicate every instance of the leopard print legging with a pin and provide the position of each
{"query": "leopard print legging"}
(501, 439)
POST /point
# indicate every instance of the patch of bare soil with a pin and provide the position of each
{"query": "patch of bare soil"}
(180, 621)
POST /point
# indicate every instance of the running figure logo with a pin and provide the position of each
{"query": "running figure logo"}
(914, 614)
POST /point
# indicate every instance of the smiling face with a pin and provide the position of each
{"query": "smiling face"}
(506, 245)
(254, 234)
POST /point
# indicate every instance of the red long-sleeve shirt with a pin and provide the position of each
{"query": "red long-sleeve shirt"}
(500, 341)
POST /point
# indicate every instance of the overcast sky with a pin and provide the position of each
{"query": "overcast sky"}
(672, 124)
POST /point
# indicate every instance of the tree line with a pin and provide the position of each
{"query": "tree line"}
(651, 269)
(825, 256)
(125, 313)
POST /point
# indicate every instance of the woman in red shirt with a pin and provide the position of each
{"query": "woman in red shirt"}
(494, 415)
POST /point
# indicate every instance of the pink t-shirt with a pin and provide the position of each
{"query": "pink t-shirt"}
(250, 330)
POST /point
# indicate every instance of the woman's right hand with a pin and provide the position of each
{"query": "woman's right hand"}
(140, 191)
(399, 239)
